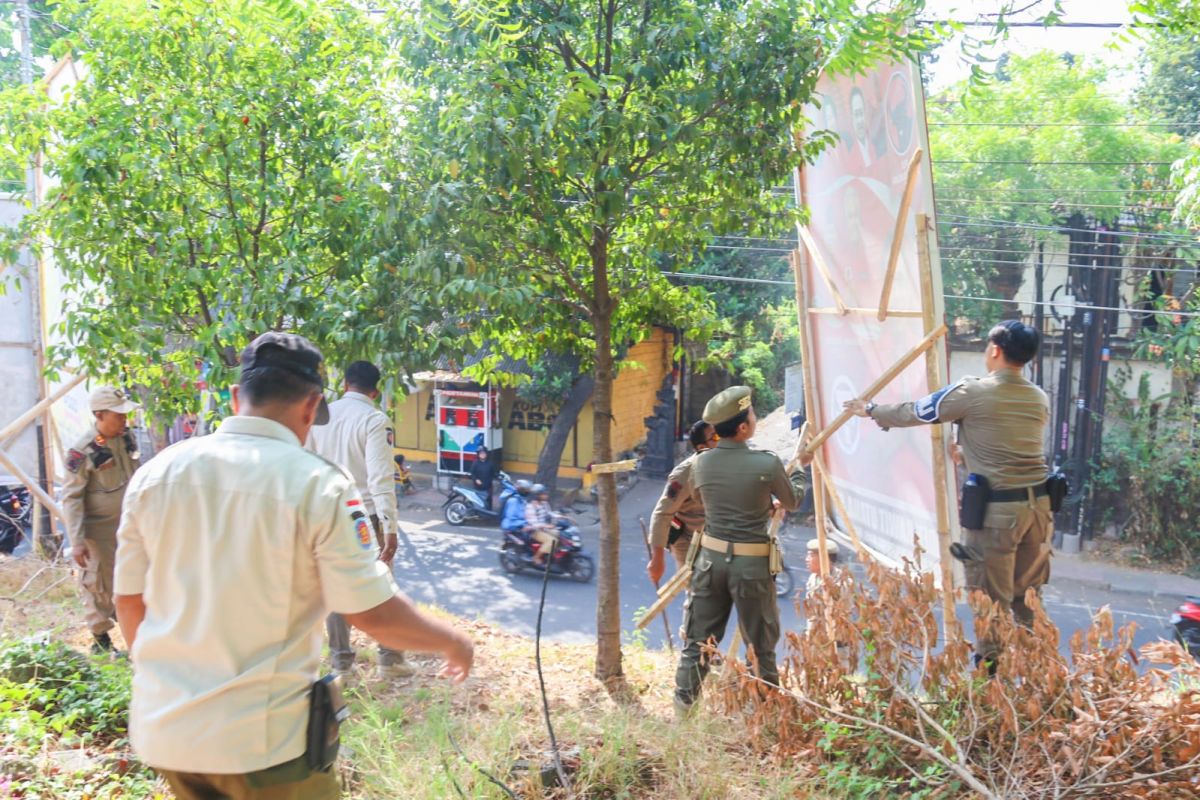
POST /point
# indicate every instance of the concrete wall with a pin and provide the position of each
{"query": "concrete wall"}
(18, 368)
(642, 374)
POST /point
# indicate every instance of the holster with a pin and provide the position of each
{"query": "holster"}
(1057, 489)
(775, 558)
(693, 549)
(975, 496)
(326, 712)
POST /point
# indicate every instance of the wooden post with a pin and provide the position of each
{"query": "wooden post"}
(910, 184)
(811, 246)
(17, 425)
(819, 462)
(935, 380)
(812, 407)
(883, 380)
(650, 554)
(31, 485)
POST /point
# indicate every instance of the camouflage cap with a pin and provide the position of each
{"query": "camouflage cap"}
(727, 405)
(110, 398)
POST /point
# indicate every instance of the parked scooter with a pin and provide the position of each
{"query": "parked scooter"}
(466, 503)
(569, 558)
(16, 512)
(1186, 622)
(403, 475)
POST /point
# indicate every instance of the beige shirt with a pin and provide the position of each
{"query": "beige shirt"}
(358, 438)
(1002, 423)
(679, 499)
(97, 472)
(240, 544)
(737, 483)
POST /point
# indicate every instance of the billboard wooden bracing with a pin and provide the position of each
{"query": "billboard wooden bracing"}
(869, 291)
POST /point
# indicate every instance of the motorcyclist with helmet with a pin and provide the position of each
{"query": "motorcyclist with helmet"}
(513, 517)
(541, 521)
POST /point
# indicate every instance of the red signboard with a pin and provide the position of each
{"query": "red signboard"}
(853, 193)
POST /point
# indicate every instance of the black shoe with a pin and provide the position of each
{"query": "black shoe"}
(103, 644)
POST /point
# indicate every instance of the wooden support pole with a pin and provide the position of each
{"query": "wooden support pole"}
(650, 554)
(812, 407)
(17, 425)
(910, 185)
(31, 485)
(883, 380)
(819, 461)
(865, 311)
(934, 380)
(811, 246)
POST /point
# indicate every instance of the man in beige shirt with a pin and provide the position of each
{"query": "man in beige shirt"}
(233, 548)
(1002, 421)
(98, 469)
(359, 439)
(679, 512)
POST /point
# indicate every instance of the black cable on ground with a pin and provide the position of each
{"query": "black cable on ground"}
(537, 655)
(503, 786)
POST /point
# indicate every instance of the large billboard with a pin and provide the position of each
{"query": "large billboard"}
(854, 194)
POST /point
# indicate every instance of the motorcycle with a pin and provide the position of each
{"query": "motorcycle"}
(569, 559)
(403, 475)
(15, 516)
(1186, 622)
(466, 502)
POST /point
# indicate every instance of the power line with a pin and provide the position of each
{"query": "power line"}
(965, 248)
(1077, 306)
(983, 222)
(1059, 163)
(1175, 124)
(1051, 191)
(1083, 204)
(986, 24)
(1026, 263)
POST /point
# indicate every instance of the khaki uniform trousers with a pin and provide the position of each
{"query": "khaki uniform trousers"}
(1015, 545)
(96, 580)
(341, 654)
(291, 780)
(719, 583)
(679, 550)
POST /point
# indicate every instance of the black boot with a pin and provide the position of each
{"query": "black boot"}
(103, 644)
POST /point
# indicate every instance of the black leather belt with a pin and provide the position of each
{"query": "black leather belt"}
(1014, 495)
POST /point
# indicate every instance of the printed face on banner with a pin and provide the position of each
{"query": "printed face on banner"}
(854, 192)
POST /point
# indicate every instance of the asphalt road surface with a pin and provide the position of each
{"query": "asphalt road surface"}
(457, 568)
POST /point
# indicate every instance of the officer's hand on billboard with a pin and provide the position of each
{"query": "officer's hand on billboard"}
(857, 407)
(956, 454)
(79, 554)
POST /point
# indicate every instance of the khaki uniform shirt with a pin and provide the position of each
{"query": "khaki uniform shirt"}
(736, 484)
(1002, 423)
(240, 544)
(679, 499)
(359, 438)
(97, 472)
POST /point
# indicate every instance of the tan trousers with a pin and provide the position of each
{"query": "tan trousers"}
(1015, 547)
(195, 786)
(97, 582)
(679, 550)
(546, 537)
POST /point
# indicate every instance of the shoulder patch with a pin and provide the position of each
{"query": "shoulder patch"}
(928, 407)
(74, 460)
(673, 489)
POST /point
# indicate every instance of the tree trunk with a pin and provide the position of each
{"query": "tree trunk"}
(608, 591)
(560, 431)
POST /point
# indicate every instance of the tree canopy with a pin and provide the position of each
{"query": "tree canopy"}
(224, 168)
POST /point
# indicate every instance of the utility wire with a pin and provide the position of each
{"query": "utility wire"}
(984, 222)
(1053, 253)
(983, 190)
(1169, 124)
(1079, 203)
(1058, 163)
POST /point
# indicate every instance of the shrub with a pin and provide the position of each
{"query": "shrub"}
(868, 692)
(1149, 473)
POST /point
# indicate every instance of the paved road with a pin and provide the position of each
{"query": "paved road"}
(458, 569)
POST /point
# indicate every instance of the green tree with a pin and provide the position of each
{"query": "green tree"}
(569, 145)
(1085, 161)
(220, 173)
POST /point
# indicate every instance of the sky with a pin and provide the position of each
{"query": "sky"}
(1096, 43)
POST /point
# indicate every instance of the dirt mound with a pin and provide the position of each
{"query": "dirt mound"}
(775, 433)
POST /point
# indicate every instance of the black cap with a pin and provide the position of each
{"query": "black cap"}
(292, 353)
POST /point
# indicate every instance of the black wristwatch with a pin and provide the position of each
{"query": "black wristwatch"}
(869, 408)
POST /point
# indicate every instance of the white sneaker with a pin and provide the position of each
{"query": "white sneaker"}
(399, 670)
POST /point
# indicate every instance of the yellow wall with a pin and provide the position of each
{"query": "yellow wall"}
(641, 376)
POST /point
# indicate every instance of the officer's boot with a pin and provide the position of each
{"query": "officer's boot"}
(103, 644)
